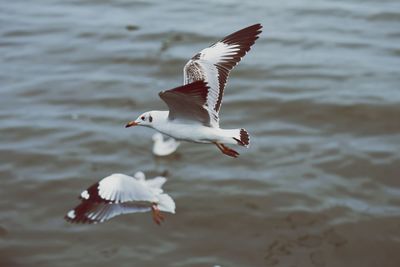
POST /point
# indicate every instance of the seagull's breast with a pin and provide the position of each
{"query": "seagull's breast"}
(188, 131)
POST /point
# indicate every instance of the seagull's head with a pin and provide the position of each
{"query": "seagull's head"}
(146, 119)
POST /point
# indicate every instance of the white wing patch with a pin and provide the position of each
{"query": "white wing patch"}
(71, 214)
(85, 195)
(219, 52)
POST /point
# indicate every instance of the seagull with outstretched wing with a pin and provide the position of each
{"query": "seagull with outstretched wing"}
(194, 107)
(121, 194)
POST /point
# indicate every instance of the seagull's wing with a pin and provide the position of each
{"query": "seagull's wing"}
(95, 212)
(166, 203)
(119, 194)
(157, 182)
(214, 63)
(118, 188)
(188, 102)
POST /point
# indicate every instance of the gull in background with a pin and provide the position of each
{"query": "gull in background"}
(121, 194)
(194, 107)
(163, 146)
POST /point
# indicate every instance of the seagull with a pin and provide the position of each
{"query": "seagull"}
(121, 194)
(164, 147)
(194, 107)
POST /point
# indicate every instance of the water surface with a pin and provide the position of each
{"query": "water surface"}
(319, 93)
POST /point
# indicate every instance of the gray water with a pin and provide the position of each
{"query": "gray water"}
(319, 93)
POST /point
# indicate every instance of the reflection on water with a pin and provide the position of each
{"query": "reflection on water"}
(318, 93)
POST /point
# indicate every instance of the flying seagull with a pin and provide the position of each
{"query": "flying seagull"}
(164, 147)
(120, 194)
(194, 107)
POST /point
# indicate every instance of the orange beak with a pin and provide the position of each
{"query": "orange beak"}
(131, 123)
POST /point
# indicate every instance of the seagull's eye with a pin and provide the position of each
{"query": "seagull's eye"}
(142, 118)
(150, 119)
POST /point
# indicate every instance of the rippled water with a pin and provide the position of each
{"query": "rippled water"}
(319, 93)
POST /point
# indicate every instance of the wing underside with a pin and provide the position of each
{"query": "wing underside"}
(188, 102)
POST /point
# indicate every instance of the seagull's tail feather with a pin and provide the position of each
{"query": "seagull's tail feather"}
(166, 203)
(242, 137)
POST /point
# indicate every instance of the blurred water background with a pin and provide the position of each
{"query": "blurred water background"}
(319, 93)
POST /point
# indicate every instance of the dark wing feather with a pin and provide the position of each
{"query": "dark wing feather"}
(188, 102)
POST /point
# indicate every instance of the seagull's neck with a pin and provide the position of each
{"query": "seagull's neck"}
(159, 117)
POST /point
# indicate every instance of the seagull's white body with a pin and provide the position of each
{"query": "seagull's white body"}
(194, 107)
(189, 131)
(164, 147)
(121, 194)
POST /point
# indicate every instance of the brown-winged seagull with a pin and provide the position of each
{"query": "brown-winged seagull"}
(120, 194)
(194, 107)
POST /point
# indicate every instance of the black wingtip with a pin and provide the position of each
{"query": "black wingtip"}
(257, 26)
(245, 36)
(244, 137)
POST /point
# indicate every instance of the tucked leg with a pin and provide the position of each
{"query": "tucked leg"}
(157, 216)
(226, 150)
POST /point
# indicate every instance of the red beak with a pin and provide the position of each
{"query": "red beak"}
(131, 123)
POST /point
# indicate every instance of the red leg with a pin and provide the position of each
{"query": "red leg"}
(226, 150)
(157, 216)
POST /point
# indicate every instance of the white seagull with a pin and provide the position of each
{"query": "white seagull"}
(194, 107)
(120, 194)
(164, 147)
